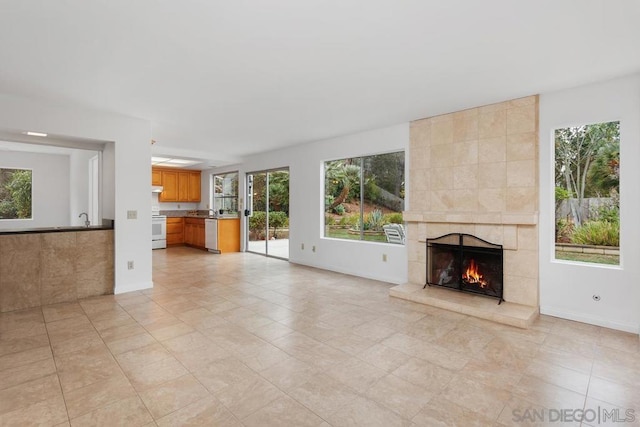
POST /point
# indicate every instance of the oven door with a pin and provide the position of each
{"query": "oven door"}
(159, 232)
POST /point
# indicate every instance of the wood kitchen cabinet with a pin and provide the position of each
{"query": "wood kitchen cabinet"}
(170, 187)
(156, 177)
(180, 185)
(175, 231)
(194, 232)
(229, 235)
(191, 232)
(194, 186)
(183, 186)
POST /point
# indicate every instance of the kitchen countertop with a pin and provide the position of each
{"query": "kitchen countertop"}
(200, 214)
(207, 217)
(62, 229)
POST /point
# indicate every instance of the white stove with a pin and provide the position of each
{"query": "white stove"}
(158, 229)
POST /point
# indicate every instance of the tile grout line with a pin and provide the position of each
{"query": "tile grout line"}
(53, 356)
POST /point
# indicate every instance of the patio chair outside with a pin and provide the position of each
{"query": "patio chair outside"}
(394, 233)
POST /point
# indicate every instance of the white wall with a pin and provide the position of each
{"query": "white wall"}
(306, 224)
(566, 289)
(126, 171)
(50, 188)
(79, 184)
(108, 181)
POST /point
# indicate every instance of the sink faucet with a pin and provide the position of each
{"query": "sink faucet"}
(87, 223)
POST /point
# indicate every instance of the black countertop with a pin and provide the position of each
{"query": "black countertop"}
(188, 214)
(107, 225)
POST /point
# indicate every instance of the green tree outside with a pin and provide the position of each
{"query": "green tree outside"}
(587, 165)
(15, 193)
(586, 157)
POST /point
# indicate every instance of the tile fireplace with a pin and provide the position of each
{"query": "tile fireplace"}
(465, 263)
(476, 172)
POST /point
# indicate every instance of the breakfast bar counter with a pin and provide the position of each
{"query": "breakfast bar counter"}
(53, 265)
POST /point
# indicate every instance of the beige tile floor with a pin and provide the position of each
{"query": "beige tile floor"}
(240, 339)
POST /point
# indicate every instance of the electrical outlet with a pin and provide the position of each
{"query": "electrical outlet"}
(130, 265)
(132, 214)
(302, 246)
(178, 206)
(384, 257)
(313, 248)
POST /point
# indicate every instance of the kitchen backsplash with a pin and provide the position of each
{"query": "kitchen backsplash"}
(182, 212)
(178, 206)
(165, 206)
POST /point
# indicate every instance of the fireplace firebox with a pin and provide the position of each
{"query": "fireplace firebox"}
(465, 263)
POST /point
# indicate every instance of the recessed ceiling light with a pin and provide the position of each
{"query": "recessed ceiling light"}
(35, 133)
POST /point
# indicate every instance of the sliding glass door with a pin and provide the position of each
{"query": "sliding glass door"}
(268, 222)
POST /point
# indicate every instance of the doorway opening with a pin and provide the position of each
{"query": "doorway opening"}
(267, 225)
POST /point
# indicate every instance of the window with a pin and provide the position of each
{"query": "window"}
(587, 193)
(225, 194)
(364, 198)
(15, 193)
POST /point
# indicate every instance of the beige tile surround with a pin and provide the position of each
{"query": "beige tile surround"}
(475, 171)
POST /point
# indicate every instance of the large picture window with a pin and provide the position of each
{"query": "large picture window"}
(364, 198)
(587, 193)
(15, 193)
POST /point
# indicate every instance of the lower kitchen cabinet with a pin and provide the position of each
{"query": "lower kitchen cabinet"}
(229, 235)
(191, 232)
(175, 231)
(194, 232)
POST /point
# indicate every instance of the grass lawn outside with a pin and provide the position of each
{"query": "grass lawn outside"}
(593, 258)
(342, 233)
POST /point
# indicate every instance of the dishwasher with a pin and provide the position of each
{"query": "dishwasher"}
(211, 235)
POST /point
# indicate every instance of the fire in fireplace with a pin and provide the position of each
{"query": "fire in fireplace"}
(466, 263)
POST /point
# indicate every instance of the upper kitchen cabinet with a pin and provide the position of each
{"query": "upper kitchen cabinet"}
(156, 177)
(170, 186)
(180, 185)
(183, 187)
(194, 186)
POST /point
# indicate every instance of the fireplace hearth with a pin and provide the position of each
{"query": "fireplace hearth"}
(465, 263)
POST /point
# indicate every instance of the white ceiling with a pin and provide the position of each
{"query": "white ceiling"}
(227, 78)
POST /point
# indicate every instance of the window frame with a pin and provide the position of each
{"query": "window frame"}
(362, 180)
(554, 217)
(30, 218)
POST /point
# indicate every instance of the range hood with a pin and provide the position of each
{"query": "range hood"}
(157, 188)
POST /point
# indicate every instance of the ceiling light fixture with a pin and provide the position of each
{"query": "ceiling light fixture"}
(35, 133)
(172, 162)
(155, 160)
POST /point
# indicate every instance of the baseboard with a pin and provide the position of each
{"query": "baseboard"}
(393, 280)
(592, 320)
(133, 287)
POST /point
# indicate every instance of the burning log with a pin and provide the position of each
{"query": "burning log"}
(472, 275)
